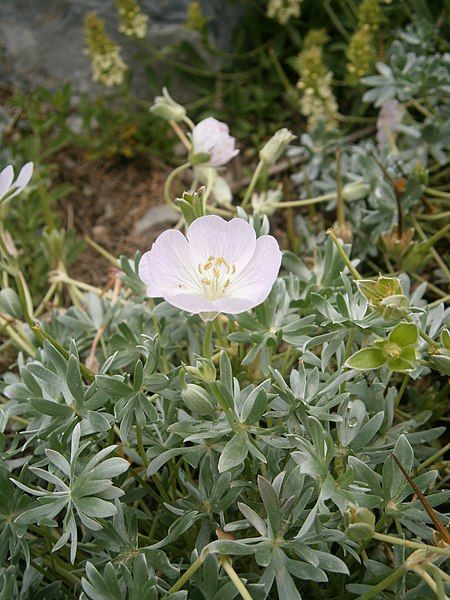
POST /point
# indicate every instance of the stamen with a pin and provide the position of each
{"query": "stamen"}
(221, 274)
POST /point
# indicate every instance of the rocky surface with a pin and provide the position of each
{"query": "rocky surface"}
(41, 41)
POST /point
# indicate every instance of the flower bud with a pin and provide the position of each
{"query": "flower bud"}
(166, 108)
(211, 137)
(398, 246)
(394, 307)
(274, 148)
(385, 295)
(422, 174)
(355, 191)
(441, 357)
(198, 400)
(204, 370)
(265, 203)
(133, 23)
(361, 524)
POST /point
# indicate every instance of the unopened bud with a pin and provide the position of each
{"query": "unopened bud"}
(166, 108)
(204, 370)
(274, 148)
(198, 400)
(361, 524)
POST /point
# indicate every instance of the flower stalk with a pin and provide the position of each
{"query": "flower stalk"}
(228, 567)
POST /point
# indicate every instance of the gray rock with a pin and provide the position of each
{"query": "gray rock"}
(42, 41)
(156, 217)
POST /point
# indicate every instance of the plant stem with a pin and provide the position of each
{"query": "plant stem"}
(181, 135)
(18, 339)
(433, 250)
(209, 187)
(335, 20)
(390, 539)
(433, 458)
(384, 584)
(43, 335)
(226, 564)
(348, 194)
(112, 259)
(207, 339)
(186, 576)
(168, 183)
(344, 256)
(140, 445)
(437, 193)
(340, 206)
(45, 206)
(426, 577)
(281, 74)
(423, 334)
(252, 183)
(402, 389)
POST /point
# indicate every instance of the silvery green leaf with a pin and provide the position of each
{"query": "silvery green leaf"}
(234, 453)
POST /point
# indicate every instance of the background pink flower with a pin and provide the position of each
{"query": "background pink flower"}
(219, 266)
(9, 187)
(212, 137)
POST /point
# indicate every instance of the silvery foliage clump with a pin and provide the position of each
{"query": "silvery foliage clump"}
(275, 453)
(417, 77)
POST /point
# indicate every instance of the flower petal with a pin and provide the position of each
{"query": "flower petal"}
(404, 334)
(258, 277)
(23, 178)
(6, 179)
(233, 306)
(167, 269)
(192, 303)
(212, 137)
(233, 240)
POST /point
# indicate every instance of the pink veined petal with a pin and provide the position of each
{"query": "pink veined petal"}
(192, 303)
(23, 179)
(221, 155)
(212, 137)
(256, 280)
(166, 269)
(26, 172)
(6, 179)
(233, 306)
(233, 240)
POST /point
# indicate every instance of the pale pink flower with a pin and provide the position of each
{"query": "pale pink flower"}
(212, 137)
(10, 188)
(389, 119)
(219, 267)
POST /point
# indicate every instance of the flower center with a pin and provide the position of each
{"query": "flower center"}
(216, 274)
(393, 350)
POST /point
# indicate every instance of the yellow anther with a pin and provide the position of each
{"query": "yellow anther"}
(206, 281)
(227, 283)
(233, 268)
(216, 272)
(221, 261)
